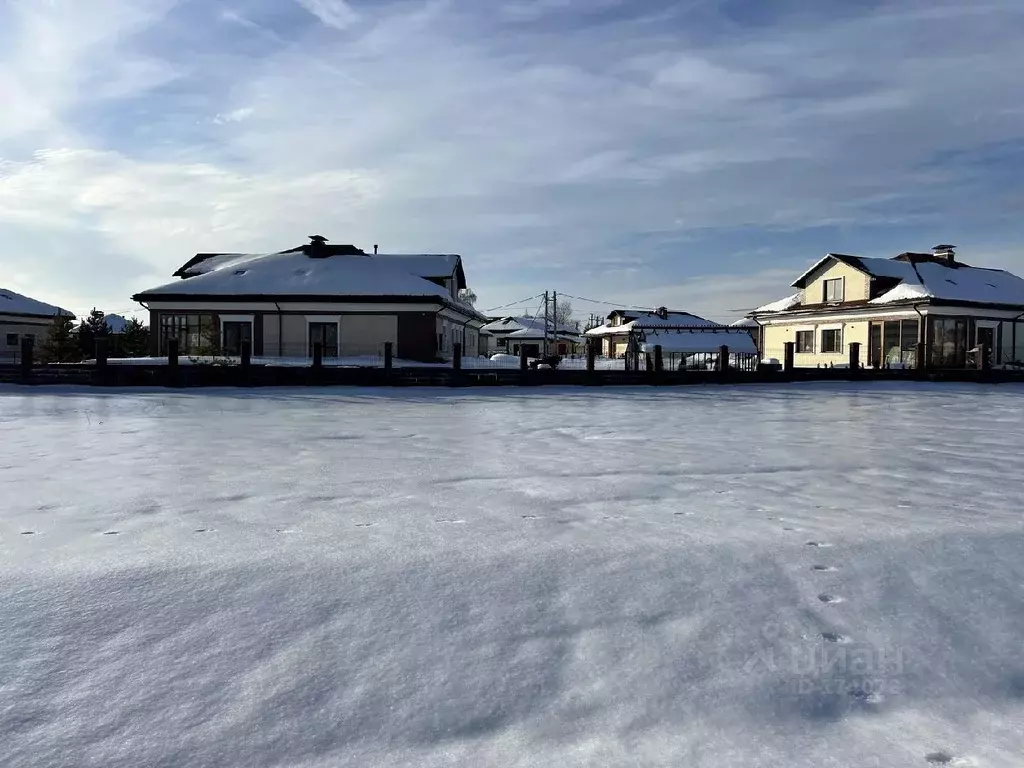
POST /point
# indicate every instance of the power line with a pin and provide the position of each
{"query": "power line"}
(514, 303)
(623, 304)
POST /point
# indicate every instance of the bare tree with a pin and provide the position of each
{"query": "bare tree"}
(467, 295)
(563, 315)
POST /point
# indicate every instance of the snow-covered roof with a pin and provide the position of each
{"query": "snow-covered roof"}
(744, 322)
(12, 303)
(692, 342)
(638, 321)
(116, 323)
(294, 273)
(434, 265)
(514, 326)
(933, 281)
(538, 333)
(782, 304)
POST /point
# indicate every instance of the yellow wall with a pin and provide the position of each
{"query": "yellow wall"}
(776, 336)
(856, 288)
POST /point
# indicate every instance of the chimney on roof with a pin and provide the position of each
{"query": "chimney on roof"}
(662, 312)
(317, 248)
(374, 249)
(945, 252)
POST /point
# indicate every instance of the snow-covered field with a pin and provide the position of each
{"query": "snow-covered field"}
(816, 575)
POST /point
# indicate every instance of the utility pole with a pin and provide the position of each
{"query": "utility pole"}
(554, 317)
(544, 350)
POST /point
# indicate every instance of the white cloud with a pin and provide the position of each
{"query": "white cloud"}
(536, 153)
(333, 13)
(234, 116)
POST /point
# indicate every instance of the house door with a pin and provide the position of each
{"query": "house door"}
(987, 336)
(325, 334)
(875, 345)
(234, 334)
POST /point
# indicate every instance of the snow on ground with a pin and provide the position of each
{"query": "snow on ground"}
(808, 575)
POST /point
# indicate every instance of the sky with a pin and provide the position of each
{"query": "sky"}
(694, 154)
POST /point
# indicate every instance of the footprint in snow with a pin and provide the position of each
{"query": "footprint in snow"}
(683, 514)
(939, 758)
(203, 530)
(451, 522)
(530, 517)
(834, 637)
(825, 568)
(365, 525)
(818, 544)
(28, 533)
(111, 533)
(830, 599)
(285, 530)
(866, 697)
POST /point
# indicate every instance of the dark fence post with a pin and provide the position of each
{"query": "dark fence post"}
(172, 362)
(723, 358)
(246, 354)
(591, 356)
(854, 355)
(27, 352)
(101, 360)
(921, 362)
(102, 347)
(659, 359)
(522, 358)
(983, 362)
(457, 357)
(318, 355)
(388, 355)
(787, 357)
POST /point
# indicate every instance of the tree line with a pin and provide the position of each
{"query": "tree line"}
(67, 344)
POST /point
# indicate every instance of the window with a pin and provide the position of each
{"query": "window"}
(31, 338)
(949, 342)
(805, 341)
(832, 340)
(327, 335)
(12, 339)
(834, 289)
(908, 342)
(891, 350)
(196, 334)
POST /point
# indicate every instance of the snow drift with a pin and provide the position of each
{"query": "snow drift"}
(761, 576)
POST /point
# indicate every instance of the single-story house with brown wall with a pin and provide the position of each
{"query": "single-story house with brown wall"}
(349, 301)
(22, 318)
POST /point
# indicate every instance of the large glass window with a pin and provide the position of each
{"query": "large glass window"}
(891, 342)
(949, 342)
(1006, 343)
(805, 341)
(908, 341)
(196, 334)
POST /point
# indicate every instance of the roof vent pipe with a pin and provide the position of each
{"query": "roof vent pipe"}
(945, 252)
(374, 249)
(317, 248)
